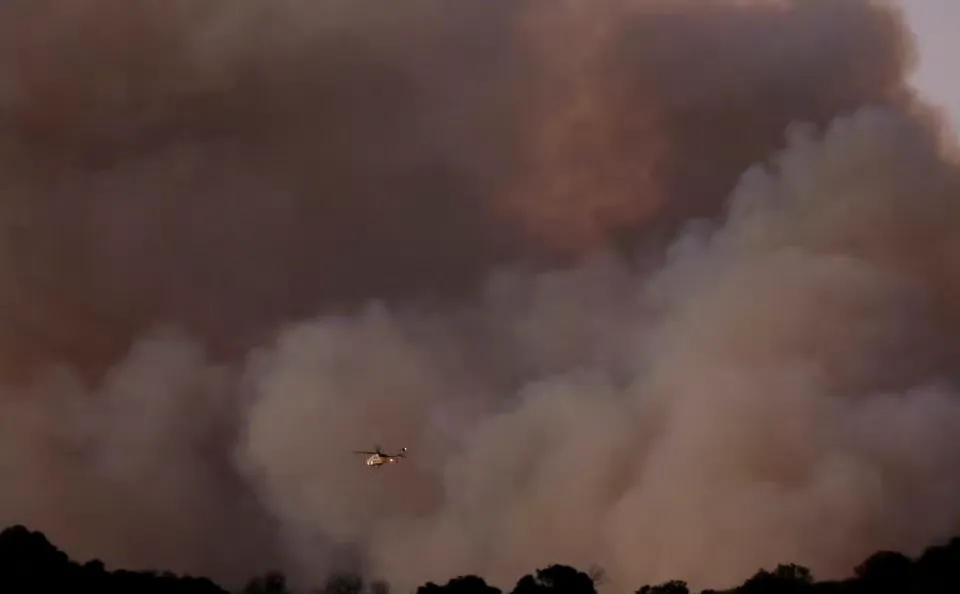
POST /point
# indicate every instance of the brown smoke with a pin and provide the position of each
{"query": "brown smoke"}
(225, 165)
(229, 165)
(645, 112)
(443, 226)
(781, 389)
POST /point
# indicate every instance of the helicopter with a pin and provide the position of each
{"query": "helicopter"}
(378, 458)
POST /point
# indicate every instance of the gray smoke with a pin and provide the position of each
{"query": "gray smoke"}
(781, 388)
(660, 287)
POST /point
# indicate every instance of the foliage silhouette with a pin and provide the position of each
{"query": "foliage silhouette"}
(671, 587)
(938, 569)
(29, 563)
(556, 579)
(467, 584)
(785, 579)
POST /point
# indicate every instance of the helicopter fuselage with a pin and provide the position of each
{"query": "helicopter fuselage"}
(378, 460)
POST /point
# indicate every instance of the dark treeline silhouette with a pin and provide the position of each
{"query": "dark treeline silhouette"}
(30, 563)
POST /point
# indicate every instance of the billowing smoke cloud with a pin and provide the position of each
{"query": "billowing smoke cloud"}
(135, 470)
(781, 389)
(541, 244)
(225, 165)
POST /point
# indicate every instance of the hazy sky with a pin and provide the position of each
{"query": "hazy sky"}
(935, 24)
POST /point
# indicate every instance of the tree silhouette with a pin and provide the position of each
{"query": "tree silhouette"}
(554, 580)
(467, 584)
(785, 579)
(937, 571)
(671, 587)
(30, 563)
(885, 570)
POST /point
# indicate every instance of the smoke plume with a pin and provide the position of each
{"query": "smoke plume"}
(662, 287)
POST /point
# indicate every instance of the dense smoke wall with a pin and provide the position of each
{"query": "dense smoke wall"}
(657, 286)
